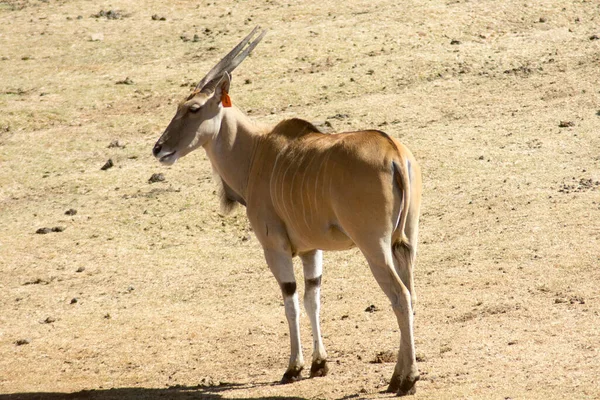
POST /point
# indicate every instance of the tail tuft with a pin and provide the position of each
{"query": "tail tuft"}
(403, 182)
(403, 244)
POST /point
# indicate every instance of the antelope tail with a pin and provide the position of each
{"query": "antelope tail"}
(403, 181)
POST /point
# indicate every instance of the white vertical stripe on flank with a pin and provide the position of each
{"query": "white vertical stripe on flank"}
(323, 161)
(302, 192)
(293, 202)
(283, 202)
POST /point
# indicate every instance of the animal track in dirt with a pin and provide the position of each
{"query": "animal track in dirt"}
(382, 357)
(534, 144)
(561, 298)
(152, 194)
(39, 281)
(570, 300)
(487, 311)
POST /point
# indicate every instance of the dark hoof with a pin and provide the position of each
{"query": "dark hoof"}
(408, 392)
(291, 376)
(319, 368)
(408, 386)
(394, 385)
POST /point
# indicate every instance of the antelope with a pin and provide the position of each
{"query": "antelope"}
(305, 192)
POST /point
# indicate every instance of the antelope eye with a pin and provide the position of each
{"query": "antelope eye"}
(194, 108)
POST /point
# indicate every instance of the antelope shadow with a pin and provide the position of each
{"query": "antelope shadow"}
(177, 392)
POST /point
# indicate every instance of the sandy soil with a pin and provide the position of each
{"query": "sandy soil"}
(148, 291)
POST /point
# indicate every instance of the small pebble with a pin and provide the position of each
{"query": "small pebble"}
(108, 164)
(126, 81)
(156, 178)
(566, 124)
(371, 309)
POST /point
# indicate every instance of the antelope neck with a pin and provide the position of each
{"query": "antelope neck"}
(231, 151)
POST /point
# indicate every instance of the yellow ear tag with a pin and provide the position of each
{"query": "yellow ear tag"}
(225, 99)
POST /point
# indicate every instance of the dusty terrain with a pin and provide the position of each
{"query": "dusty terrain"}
(147, 291)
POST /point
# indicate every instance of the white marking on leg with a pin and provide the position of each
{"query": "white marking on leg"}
(292, 313)
(281, 265)
(313, 268)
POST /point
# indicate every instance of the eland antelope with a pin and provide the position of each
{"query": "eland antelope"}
(305, 192)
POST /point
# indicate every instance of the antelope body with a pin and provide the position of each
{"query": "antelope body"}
(306, 192)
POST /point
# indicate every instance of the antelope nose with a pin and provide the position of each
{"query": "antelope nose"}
(156, 149)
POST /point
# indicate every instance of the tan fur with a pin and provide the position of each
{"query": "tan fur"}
(327, 189)
(306, 191)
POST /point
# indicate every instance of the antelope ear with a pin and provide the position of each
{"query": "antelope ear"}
(223, 86)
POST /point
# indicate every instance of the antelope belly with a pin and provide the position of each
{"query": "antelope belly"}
(330, 238)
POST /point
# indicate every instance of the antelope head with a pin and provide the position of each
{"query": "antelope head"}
(198, 117)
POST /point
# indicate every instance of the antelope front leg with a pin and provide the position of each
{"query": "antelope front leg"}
(281, 265)
(313, 269)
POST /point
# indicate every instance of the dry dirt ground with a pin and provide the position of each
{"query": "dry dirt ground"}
(147, 291)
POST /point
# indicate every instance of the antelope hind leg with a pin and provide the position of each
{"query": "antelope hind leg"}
(406, 373)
